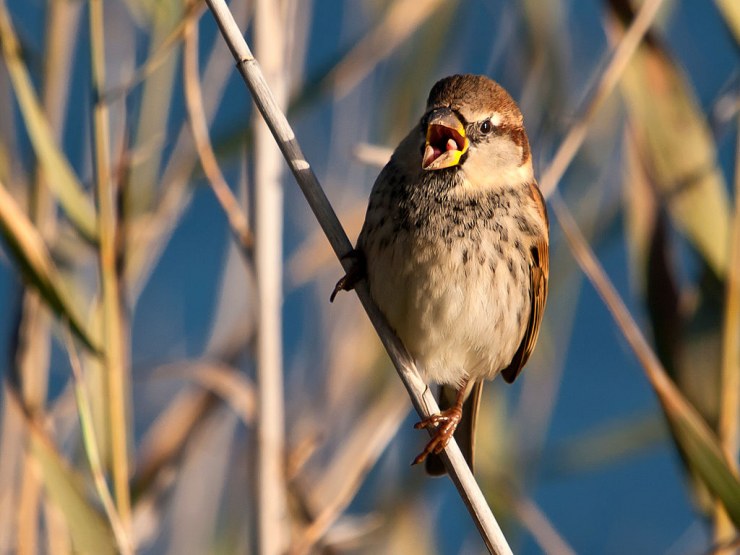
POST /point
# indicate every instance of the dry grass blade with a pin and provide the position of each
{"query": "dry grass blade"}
(349, 467)
(230, 385)
(113, 319)
(29, 503)
(730, 413)
(729, 416)
(399, 22)
(640, 206)
(537, 403)
(125, 545)
(609, 79)
(33, 346)
(149, 234)
(678, 149)
(421, 396)
(314, 255)
(12, 438)
(155, 107)
(697, 440)
(159, 56)
(540, 527)
(396, 25)
(677, 153)
(167, 437)
(725, 548)
(65, 184)
(203, 481)
(225, 381)
(36, 264)
(199, 126)
(373, 155)
(695, 437)
(731, 11)
(34, 340)
(88, 529)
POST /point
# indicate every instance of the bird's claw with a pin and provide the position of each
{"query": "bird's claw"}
(354, 275)
(445, 422)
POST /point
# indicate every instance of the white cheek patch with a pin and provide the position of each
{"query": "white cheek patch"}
(497, 165)
(496, 119)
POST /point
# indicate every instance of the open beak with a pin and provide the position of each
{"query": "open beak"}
(446, 141)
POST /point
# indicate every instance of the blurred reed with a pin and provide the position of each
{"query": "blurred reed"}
(105, 448)
(274, 21)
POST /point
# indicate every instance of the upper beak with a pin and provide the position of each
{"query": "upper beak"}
(446, 141)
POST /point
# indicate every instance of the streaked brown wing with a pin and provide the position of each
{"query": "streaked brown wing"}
(539, 274)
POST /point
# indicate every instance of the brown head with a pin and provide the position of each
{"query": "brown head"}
(472, 124)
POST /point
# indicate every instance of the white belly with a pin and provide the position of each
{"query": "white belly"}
(456, 318)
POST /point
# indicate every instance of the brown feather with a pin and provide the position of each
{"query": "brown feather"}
(539, 273)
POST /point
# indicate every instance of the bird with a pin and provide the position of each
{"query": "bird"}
(455, 249)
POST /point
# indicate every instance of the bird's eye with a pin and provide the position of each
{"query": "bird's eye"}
(486, 127)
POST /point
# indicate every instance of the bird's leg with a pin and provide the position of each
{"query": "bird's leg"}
(356, 272)
(445, 422)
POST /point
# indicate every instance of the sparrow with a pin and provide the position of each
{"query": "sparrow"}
(455, 248)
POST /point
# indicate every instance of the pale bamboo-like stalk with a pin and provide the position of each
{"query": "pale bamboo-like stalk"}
(28, 509)
(113, 353)
(729, 413)
(273, 526)
(421, 395)
(12, 451)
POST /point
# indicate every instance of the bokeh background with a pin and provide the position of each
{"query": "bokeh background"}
(146, 215)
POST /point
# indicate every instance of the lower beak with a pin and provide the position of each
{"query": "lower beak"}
(445, 141)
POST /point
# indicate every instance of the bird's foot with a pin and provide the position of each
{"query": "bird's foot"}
(445, 422)
(354, 275)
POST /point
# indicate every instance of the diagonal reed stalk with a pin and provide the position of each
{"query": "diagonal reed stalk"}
(608, 81)
(729, 414)
(693, 434)
(65, 185)
(113, 354)
(421, 396)
(33, 349)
